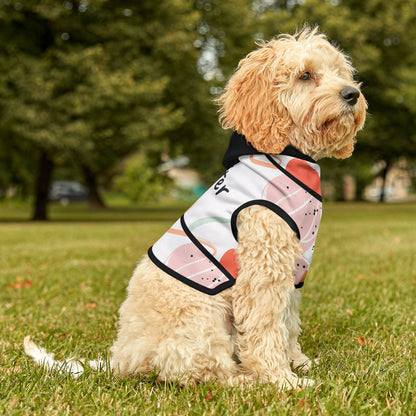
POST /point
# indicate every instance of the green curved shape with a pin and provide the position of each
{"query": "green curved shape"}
(207, 220)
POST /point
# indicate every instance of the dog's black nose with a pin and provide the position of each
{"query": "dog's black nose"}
(350, 95)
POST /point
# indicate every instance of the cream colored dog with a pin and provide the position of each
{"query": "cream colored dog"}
(294, 91)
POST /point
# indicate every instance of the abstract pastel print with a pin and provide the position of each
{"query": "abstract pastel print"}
(200, 248)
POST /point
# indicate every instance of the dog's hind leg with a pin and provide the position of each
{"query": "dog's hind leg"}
(171, 328)
(199, 348)
(268, 249)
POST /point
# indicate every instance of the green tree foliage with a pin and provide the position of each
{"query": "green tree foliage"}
(140, 181)
(223, 36)
(87, 83)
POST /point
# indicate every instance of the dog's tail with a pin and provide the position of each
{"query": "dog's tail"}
(71, 365)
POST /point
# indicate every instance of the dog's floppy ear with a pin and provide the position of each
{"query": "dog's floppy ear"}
(251, 104)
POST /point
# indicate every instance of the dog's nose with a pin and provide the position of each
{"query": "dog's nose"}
(350, 95)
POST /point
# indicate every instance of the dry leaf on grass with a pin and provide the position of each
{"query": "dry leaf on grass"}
(91, 305)
(209, 396)
(360, 340)
(20, 284)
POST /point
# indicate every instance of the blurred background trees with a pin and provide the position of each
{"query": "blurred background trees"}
(89, 89)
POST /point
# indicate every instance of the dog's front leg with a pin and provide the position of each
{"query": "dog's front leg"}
(300, 360)
(267, 252)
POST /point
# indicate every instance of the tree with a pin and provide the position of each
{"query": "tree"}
(82, 84)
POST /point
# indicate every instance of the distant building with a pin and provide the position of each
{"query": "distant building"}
(398, 183)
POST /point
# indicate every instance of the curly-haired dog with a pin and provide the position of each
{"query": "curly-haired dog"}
(217, 297)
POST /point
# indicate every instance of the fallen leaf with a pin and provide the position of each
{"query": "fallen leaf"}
(91, 305)
(209, 396)
(350, 312)
(361, 341)
(10, 287)
(20, 285)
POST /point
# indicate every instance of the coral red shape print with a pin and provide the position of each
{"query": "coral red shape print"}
(298, 203)
(229, 261)
(305, 173)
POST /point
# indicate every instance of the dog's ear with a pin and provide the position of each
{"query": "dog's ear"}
(251, 104)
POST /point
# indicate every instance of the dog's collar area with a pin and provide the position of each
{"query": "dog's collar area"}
(239, 146)
(292, 151)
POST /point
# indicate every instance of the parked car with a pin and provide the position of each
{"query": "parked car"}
(68, 191)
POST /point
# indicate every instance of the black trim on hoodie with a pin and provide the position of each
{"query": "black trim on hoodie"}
(240, 146)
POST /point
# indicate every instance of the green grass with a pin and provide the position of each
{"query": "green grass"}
(62, 282)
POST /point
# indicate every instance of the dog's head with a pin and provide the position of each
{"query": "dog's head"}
(295, 90)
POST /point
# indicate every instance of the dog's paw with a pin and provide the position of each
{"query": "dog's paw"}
(297, 383)
(306, 382)
(303, 364)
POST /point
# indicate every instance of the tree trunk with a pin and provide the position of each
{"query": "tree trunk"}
(384, 177)
(42, 185)
(95, 199)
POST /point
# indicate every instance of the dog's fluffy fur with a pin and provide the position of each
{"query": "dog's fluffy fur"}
(250, 331)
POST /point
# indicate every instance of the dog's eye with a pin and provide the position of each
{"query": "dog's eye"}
(306, 76)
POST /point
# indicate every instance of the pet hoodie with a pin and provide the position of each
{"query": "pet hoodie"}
(200, 248)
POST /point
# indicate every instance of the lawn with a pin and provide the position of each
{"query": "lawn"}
(62, 282)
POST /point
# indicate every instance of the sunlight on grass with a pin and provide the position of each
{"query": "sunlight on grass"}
(63, 282)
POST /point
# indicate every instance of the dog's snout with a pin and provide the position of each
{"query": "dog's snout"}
(350, 95)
